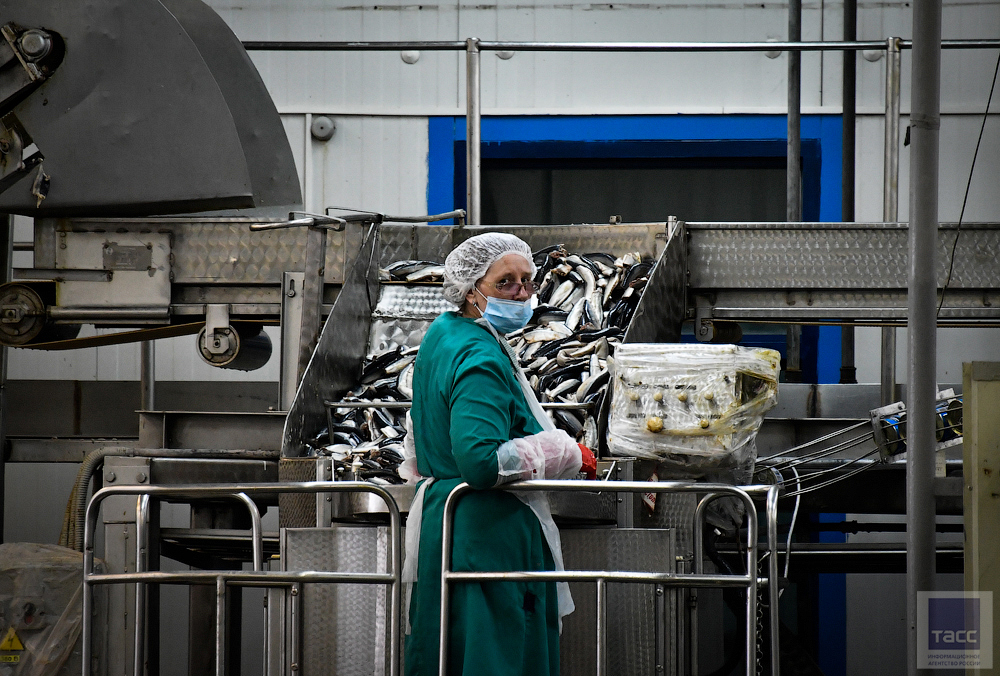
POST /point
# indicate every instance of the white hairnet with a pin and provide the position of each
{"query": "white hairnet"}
(469, 261)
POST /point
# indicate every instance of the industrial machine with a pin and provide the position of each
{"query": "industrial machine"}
(189, 222)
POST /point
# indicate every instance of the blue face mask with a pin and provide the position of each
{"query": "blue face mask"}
(506, 315)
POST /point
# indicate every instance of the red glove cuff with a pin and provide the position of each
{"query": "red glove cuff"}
(589, 462)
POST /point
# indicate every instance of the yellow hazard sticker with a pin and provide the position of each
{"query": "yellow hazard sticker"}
(11, 642)
(10, 659)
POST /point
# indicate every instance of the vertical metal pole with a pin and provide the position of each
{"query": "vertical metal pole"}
(602, 627)
(793, 183)
(7, 237)
(890, 199)
(793, 172)
(220, 626)
(312, 297)
(473, 137)
(147, 375)
(141, 558)
(772, 578)
(307, 162)
(925, 124)
(295, 627)
(848, 371)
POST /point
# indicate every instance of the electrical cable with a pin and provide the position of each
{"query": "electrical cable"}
(837, 468)
(791, 527)
(965, 200)
(813, 442)
(832, 481)
(817, 455)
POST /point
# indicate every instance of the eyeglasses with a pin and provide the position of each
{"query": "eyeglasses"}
(509, 287)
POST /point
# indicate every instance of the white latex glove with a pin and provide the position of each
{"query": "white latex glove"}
(546, 455)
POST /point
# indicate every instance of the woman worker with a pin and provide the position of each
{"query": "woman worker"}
(475, 420)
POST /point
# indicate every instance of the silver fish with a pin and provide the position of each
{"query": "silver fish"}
(588, 279)
(576, 314)
(561, 293)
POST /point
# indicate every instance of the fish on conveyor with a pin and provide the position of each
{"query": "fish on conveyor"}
(584, 305)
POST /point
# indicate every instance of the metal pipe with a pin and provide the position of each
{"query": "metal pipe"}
(890, 200)
(890, 173)
(312, 297)
(242, 578)
(602, 627)
(306, 161)
(295, 627)
(141, 562)
(793, 171)
(147, 375)
(808, 46)
(668, 579)
(793, 183)
(925, 125)
(848, 135)
(7, 233)
(256, 531)
(772, 578)
(220, 626)
(473, 129)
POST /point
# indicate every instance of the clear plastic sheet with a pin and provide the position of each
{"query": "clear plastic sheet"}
(694, 408)
(41, 604)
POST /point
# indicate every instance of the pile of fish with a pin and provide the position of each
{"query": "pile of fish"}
(412, 272)
(596, 289)
(585, 303)
(366, 442)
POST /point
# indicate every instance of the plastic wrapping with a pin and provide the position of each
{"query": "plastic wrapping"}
(694, 408)
(40, 599)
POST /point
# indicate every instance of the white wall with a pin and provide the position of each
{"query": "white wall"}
(378, 157)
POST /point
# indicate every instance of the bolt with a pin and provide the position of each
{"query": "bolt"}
(141, 477)
(110, 477)
(36, 44)
(4, 146)
(659, 591)
(295, 592)
(295, 666)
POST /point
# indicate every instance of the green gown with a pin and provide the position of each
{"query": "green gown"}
(466, 402)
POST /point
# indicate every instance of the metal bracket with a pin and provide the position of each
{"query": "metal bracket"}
(704, 330)
(217, 328)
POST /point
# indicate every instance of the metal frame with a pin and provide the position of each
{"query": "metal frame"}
(258, 577)
(474, 46)
(668, 579)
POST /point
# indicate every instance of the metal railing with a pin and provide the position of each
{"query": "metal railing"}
(474, 46)
(712, 492)
(258, 577)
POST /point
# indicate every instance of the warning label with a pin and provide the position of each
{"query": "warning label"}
(11, 642)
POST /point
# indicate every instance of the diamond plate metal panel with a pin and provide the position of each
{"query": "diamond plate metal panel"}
(662, 308)
(632, 624)
(832, 256)
(646, 238)
(344, 628)
(225, 250)
(333, 367)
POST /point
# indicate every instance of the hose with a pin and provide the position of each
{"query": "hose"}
(76, 508)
